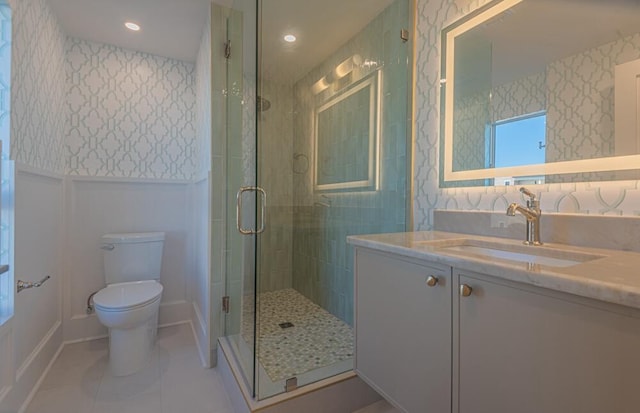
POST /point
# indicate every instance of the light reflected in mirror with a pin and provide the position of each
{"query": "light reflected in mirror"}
(539, 91)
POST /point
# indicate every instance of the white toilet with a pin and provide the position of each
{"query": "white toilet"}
(129, 304)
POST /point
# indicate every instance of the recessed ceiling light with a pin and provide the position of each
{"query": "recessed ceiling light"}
(289, 38)
(132, 26)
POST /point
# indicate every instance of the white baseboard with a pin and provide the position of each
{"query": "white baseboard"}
(83, 327)
(199, 327)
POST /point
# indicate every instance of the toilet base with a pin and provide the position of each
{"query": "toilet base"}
(130, 349)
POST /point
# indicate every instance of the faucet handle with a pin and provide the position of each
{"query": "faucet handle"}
(528, 193)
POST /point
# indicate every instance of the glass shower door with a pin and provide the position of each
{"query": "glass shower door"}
(320, 122)
(243, 198)
(332, 130)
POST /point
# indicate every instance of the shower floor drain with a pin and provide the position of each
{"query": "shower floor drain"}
(286, 325)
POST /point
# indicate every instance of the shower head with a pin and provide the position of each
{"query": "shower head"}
(262, 104)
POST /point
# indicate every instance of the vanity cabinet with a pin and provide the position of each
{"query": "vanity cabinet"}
(524, 349)
(403, 330)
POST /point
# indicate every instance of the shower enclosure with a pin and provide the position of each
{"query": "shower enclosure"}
(317, 148)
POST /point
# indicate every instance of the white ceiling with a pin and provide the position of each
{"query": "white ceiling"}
(170, 28)
(535, 33)
(321, 26)
(173, 28)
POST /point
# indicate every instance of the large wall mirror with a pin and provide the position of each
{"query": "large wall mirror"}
(346, 138)
(541, 91)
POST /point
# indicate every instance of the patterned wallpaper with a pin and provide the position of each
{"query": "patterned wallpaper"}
(580, 104)
(38, 86)
(5, 77)
(471, 114)
(6, 184)
(203, 101)
(130, 114)
(521, 97)
(611, 198)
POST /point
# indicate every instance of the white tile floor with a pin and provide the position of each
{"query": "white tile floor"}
(173, 382)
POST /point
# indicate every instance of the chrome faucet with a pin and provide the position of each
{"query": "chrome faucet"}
(532, 213)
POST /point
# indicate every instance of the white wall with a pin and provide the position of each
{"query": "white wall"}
(38, 252)
(58, 218)
(199, 283)
(97, 206)
(37, 132)
(200, 286)
(131, 156)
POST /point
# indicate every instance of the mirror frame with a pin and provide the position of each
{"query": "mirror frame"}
(449, 33)
(373, 83)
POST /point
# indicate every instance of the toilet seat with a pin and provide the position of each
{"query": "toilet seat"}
(127, 296)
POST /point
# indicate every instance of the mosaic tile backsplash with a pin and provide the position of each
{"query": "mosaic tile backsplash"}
(611, 198)
(130, 114)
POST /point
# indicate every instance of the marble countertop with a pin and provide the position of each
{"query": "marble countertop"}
(610, 275)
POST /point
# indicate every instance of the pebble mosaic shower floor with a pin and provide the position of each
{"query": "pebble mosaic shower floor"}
(316, 339)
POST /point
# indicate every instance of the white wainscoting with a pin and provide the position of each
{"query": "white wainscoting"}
(35, 332)
(59, 221)
(200, 290)
(96, 206)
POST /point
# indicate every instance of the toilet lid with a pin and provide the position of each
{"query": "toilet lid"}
(126, 295)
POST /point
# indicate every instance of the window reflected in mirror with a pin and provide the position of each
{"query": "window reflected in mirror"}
(564, 90)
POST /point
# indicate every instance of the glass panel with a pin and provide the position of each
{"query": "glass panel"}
(7, 169)
(239, 161)
(332, 158)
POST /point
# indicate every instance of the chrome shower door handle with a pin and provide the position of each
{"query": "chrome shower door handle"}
(263, 204)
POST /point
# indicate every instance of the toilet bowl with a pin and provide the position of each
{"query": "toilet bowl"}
(129, 304)
(130, 311)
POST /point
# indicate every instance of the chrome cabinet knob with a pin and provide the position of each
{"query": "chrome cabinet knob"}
(432, 281)
(465, 290)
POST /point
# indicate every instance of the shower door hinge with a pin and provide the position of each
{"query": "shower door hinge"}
(227, 49)
(225, 304)
(404, 35)
(291, 384)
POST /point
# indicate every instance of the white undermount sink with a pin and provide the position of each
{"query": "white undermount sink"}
(548, 256)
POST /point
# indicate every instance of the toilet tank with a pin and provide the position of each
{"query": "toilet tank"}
(132, 256)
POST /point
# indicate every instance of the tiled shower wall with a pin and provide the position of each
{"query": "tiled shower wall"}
(322, 261)
(276, 178)
(611, 198)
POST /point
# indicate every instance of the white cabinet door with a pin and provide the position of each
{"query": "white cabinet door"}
(529, 350)
(403, 331)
